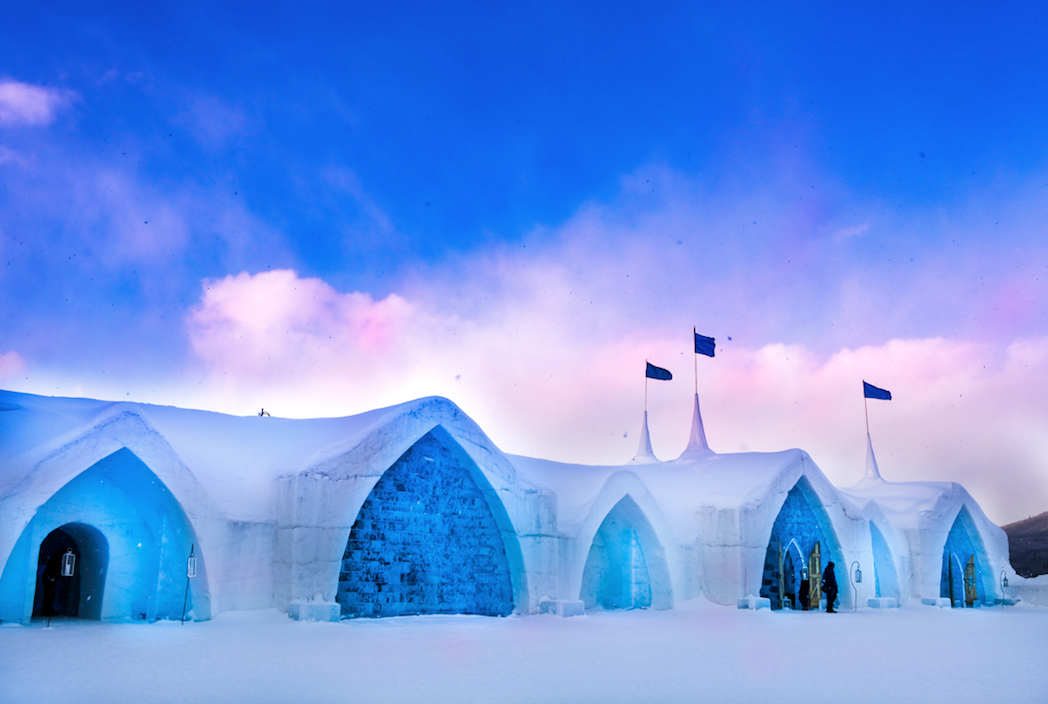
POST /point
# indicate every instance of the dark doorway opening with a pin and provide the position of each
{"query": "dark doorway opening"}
(57, 595)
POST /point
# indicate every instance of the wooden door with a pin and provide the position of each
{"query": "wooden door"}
(815, 577)
(970, 594)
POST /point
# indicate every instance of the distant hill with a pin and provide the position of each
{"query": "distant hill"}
(1028, 545)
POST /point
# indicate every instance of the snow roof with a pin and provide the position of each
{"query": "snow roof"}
(236, 459)
(906, 504)
(679, 487)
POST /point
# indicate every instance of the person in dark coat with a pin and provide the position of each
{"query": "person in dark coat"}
(829, 587)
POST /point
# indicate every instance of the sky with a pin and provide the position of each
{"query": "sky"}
(324, 209)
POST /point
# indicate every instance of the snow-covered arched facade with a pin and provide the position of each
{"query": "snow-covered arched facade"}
(413, 509)
(920, 531)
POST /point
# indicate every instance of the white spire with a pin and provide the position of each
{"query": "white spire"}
(873, 473)
(697, 444)
(644, 455)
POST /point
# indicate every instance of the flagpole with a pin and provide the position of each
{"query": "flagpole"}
(695, 358)
(866, 407)
(645, 388)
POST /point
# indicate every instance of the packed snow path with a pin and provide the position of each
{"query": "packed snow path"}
(698, 652)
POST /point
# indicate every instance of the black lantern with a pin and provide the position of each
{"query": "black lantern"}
(191, 564)
(68, 563)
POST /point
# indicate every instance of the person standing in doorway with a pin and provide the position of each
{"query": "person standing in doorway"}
(829, 587)
(805, 595)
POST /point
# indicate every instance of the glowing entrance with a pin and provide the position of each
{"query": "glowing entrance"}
(801, 542)
(624, 561)
(886, 581)
(425, 542)
(130, 539)
(963, 574)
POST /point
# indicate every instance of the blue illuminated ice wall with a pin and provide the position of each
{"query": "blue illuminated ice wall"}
(133, 540)
(800, 524)
(616, 572)
(962, 543)
(425, 542)
(886, 581)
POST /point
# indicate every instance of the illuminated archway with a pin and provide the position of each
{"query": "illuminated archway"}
(625, 563)
(965, 565)
(427, 540)
(886, 580)
(801, 521)
(131, 537)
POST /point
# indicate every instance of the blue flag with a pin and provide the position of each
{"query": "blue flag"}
(654, 372)
(871, 391)
(704, 345)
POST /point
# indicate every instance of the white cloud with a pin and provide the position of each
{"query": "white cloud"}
(10, 156)
(214, 122)
(847, 233)
(24, 104)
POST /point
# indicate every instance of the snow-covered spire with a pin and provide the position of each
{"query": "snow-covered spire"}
(644, 455)
(697, 444)
(873, 473)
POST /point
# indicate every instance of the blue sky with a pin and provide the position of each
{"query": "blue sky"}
(325, 209)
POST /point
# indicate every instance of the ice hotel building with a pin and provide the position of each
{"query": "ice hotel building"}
(412, 509)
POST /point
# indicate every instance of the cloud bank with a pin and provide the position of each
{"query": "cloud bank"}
(29, 105)
(963, 411)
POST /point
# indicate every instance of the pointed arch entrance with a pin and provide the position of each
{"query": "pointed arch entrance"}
(626, 566)
(427, 540)
(130, 538)
(886, 580)
(964, 564)
(802, 539)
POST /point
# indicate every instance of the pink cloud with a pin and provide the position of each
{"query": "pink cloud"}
(962, 411)
(279, 327)
(11, 363)
(24, 104)
(543, 343)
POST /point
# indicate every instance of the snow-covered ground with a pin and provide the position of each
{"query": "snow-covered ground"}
(698, 652)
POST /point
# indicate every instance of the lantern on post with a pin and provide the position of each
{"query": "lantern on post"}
(1004, 581)
(190, 573)
(68, 563)
(857, 580)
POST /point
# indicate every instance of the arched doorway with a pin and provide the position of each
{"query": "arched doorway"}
(964, 578)
(803, 539)
(886, 580)
(624, 561)
(57, 594)
(426, 541)
(79, 594)
(131, 538)
(794, 573)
